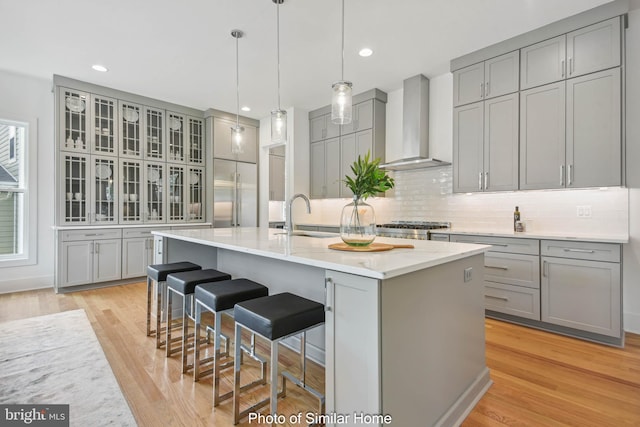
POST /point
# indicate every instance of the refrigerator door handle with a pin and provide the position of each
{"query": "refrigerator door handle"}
(234, 201)
(238, 199)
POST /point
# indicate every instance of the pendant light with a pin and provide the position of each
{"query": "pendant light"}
(279, 116)
(236, 131)
(341, 100)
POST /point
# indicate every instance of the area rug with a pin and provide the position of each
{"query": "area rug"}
(57, 359)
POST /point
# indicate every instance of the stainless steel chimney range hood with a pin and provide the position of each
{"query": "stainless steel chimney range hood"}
(415, 127)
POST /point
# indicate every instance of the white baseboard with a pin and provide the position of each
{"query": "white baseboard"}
(632, 322)
(463, 406)
(26, 284)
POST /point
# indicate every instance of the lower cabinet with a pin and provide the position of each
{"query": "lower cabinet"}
(89, 256)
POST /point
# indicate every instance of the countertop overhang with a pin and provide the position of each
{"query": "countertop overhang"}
(314, 251)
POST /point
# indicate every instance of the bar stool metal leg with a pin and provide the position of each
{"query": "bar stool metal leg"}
(149, 286)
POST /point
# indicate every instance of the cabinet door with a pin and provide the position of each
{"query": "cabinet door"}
(594, 156)
(352, 344)
(196, 141)
(502, 75)
(332, 129)
(501, 143)
(176, 193)
(468, 122)
(176, 137)
(76, 263)
(135, 254)
(543, 63)
(131, 191)
(154, 192)
(317, 128)
(104, 125)
(154, 133)
(276, 178)
(222, 139)
(107, 258)
(75, 188)
(74, 120)
(352, 146)
(364, 115)
(581, 294)
(468, 84)
(332, 164)
(249, 153)
(542, 137)
(104, 199)
(594, 48)
(130, 130)
(318, 170)
(195, 187)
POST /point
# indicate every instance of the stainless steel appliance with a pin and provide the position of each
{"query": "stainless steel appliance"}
(235, 194)
(420, 230)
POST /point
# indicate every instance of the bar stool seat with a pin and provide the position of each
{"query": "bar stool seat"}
(157, 273)
(218, 298)
(275, 318)
(184, 284)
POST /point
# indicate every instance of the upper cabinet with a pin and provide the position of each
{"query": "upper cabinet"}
(587, 50)
(323, 128)
(489, 79)
(155, 133)
(362, 118)
(222, 144)
(104, 125)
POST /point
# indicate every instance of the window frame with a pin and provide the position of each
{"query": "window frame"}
(28, 217)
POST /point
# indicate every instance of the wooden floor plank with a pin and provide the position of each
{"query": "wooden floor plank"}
(540, 379)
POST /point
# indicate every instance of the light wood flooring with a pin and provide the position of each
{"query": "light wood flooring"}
(540, 379)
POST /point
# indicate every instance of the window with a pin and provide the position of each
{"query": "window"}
(17, 228)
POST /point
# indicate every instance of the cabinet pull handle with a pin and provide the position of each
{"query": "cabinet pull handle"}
(328, 296)
(97, 247)
(492, 244)
(562, 68)
(486, 180)
(159, 247)
(562, 175)
(494, 297)
(569, 174)
(582, 251)
(486, 89)
(480, 181)
(570, 66)
(544, 269)
(481, 90)
(498, 267)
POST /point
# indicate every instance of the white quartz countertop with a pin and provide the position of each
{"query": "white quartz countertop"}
(584, 237)
(314, 251)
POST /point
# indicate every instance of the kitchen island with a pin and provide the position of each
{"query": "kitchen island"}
(404, 331)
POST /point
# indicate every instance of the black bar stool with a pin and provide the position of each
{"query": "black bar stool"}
(219, 298)
(184, 284)
(157, 275)
(275, 318)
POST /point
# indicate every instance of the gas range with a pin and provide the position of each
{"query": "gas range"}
(410, 229)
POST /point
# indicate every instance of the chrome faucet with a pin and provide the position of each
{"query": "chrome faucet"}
(289, 224)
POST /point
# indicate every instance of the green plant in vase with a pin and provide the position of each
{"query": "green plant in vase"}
(358, 220)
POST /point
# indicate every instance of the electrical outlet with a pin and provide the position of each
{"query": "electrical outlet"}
(587, 211)
(580, 211)
(467, 274)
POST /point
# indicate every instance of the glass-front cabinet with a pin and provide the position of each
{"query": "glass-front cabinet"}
(75, 172)
(176, 137)
(104, 194)
(131, 186)
(195, 204)
(130, 130)
(74, 120)
(154, 198)
(196, 141)
(104, 125)
(155, 135)
(176, 193)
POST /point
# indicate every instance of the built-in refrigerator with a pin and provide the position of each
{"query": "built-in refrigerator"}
(235, 194)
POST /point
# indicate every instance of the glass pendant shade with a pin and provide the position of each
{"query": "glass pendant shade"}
(278, 127)
(341, 103)
(237, 146)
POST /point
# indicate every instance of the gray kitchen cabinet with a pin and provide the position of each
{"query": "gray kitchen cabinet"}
(325, 169)
(362, 118)
(103, 129)
(222, 144)
(323, 128)
(276, 177)
(439, 237)
(542, 137)
(352, 146)
(489, 79)
(581, 287)
(137, 254)
(587, 50)
(155, 134)
(486, 145)
(593, 139)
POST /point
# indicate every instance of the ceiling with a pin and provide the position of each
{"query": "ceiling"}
(182, 51)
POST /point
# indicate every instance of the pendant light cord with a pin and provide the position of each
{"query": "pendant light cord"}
(342, 72)
(237, 85)
(278, 43)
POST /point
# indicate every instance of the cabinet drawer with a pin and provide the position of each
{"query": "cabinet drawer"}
(439, 237)
(501, 244)
(512, 269)
(329, 229)
(99, 234)
(514, 300)
(140, 232)
(581, 250)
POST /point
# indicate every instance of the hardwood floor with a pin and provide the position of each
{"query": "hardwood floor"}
(540, 379)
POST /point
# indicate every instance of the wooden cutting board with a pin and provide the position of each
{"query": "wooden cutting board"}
(373, 247)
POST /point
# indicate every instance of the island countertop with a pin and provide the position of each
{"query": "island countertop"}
(314, 251)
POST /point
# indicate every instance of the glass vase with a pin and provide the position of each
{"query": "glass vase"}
(358, 223)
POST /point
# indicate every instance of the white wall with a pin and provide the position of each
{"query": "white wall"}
(28, 97)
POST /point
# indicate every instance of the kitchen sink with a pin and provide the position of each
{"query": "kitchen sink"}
(317, 234)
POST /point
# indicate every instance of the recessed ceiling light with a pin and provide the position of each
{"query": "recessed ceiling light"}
(365, 52)
(245, 108)
(100, 68)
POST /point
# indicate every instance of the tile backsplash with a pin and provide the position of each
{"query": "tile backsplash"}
(426, 194)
